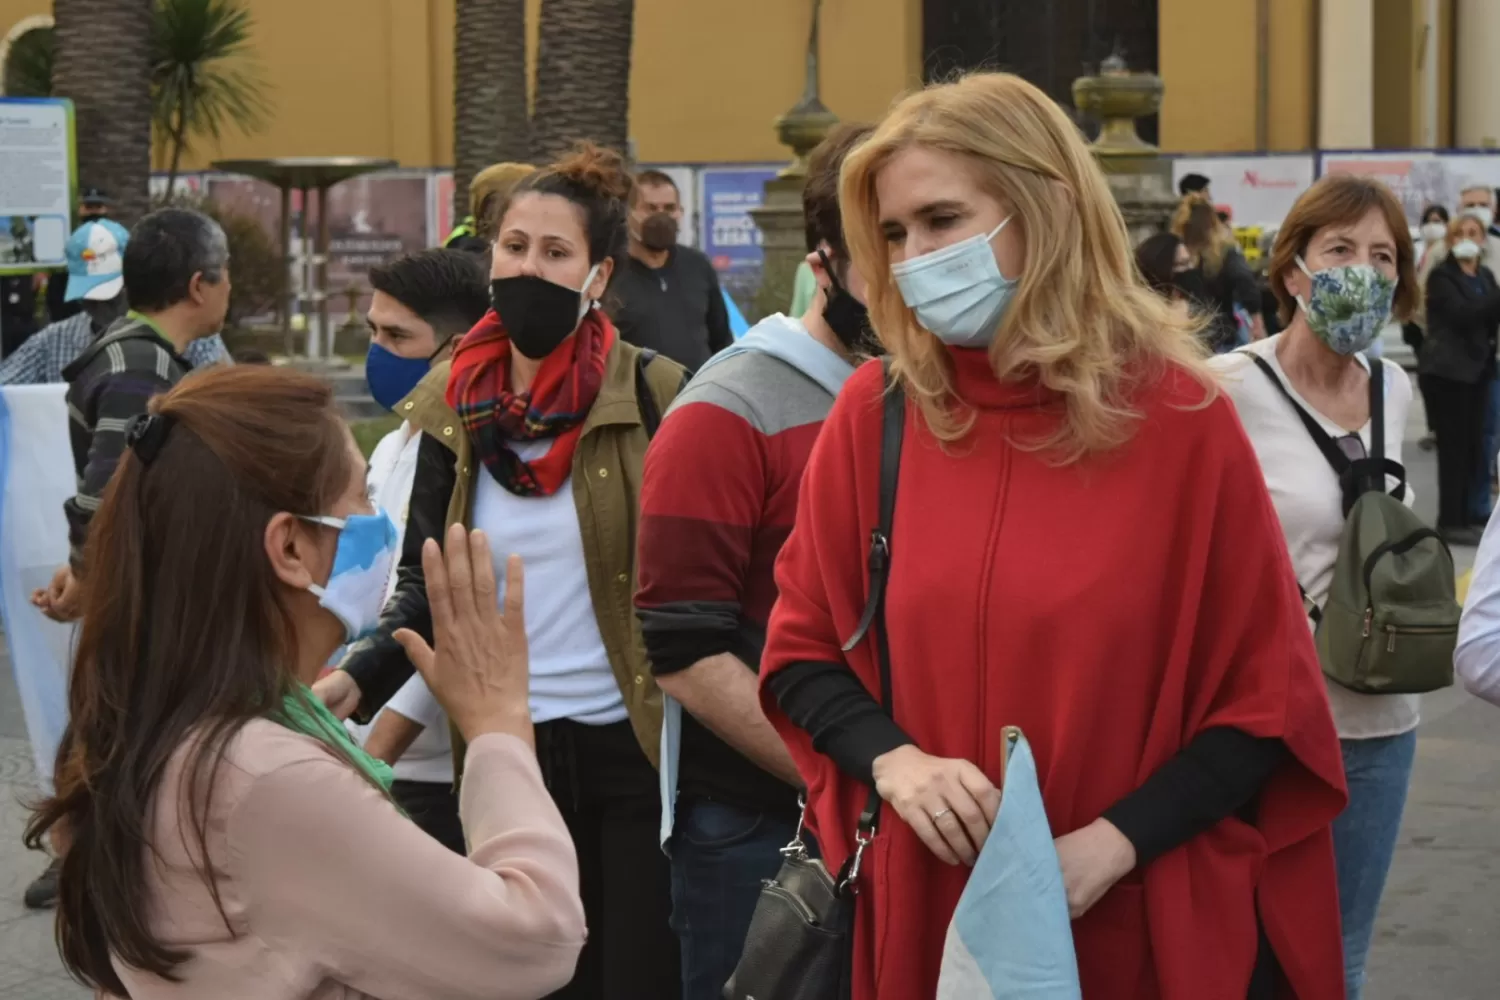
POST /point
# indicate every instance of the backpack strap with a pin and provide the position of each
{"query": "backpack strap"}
(893, 428)
(1321, 438)
(1368, 474)
(649, 391)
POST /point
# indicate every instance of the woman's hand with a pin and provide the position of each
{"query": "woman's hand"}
(339, 692)
(480, 671)
(1093, 859)
(949, 803)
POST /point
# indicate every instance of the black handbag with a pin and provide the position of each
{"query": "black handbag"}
(801, 938)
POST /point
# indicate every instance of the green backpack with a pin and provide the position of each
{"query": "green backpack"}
(1391, 619)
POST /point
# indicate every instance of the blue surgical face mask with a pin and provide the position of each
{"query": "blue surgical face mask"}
(357, 584)
(390, 376)
(958, 292)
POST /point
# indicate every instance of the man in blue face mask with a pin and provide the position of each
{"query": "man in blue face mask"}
(422, 303)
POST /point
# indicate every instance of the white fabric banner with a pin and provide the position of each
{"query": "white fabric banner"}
(36, 476)
(1259, 190)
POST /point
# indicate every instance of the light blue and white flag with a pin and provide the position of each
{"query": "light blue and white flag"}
(1011, 938)
(36, 476)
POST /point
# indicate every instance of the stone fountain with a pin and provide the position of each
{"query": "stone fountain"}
(1138, 174)
(783, 233)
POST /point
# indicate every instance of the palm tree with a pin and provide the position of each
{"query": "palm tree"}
(583, 75)
(28, 64)
(202, 75)
(103, 64)
(489, 94)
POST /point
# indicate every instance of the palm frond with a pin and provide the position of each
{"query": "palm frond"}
(28, 65)
(205, 79)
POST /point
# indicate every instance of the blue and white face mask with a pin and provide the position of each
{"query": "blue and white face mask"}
(958, 292)
(1348, 305)
(355, 591)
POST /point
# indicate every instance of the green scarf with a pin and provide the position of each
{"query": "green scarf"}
(304, 712)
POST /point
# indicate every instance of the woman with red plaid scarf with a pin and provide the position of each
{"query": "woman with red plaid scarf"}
(535, 432)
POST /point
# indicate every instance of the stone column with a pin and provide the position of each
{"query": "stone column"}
(1346, 74)
(1477, 80)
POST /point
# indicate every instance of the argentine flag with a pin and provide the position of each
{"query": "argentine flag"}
(36, 476)
(1011, 938)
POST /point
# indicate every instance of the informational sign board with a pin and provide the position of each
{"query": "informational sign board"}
(1259, 190)
(37, 181)
(730, 237)
(36, 476)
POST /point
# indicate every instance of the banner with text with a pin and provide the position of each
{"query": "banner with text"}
(730, 237)
(1258, 190)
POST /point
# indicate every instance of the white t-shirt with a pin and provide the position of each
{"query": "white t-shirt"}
(393, 467)
(1309, 502)
(571, 677)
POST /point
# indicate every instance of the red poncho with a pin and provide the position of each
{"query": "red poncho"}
(1113, 609)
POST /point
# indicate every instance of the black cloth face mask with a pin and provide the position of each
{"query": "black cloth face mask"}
(537, 314)
(847, 317)
(659, 232)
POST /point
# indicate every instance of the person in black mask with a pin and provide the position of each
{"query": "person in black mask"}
(718, 500)
(667, 296)
(535, 433)
(1164, 261)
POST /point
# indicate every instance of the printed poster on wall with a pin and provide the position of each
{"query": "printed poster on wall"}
(1258, 190)
(730, 237)
(36, 182)
(371, 219)
(1416, 178)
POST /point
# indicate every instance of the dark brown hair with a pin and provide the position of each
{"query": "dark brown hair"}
(820, 195)
(1156, 258)
(186, 637)
(1341, 200)
(595, 180)
(653, 178)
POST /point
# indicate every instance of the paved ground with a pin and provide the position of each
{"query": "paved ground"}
(1438, 922)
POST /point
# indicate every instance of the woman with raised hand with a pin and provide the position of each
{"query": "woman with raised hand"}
(536, 432)
(1083, 548)
(222, 835)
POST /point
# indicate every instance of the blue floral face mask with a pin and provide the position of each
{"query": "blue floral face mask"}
(1348, 305)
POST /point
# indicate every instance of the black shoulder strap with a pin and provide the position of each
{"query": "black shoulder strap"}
(650, 412)
(1368, 474)
(893, 428)
(1377, 409)
(1336, 458)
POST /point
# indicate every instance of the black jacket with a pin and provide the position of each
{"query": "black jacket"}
(1462, 324)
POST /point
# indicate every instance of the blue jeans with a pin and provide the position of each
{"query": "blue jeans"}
(1364, 839)
(720, 856)
(1481, 500)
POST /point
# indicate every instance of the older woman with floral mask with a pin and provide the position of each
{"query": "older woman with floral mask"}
(1342, 265)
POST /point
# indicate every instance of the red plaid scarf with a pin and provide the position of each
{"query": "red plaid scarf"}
(555, 406)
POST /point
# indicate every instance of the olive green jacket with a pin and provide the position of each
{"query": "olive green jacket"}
(606, 489)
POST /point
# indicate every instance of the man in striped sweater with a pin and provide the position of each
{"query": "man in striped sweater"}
(718, 499)
(176, 277)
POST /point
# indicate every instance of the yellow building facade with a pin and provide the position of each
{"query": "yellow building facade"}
(708, 77)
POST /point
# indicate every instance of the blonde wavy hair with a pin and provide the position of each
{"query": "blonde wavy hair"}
(1196, 223)
(1081, 320)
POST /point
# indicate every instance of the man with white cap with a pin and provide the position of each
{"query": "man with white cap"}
(96, 280)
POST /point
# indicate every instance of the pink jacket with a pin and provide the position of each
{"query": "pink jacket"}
(331, 894)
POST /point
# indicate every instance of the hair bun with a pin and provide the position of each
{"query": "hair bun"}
(596, 169)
